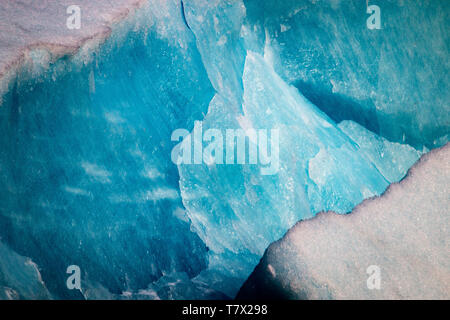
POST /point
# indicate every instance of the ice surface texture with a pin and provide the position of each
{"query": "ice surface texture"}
(404, 233)
(19, 277)
(85, 168)
(393, 81)
(85, 159)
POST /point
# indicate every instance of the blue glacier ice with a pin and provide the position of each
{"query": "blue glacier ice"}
(321, 169)
(86, 176)
(19, 277)
(85, 146)
(382, 153)
(393, 81)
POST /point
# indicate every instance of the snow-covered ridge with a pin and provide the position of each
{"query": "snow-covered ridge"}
(30, 29)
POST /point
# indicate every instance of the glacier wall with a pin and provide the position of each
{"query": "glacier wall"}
(393, 81)
(403, 235)
(86, 176)
(85, 167)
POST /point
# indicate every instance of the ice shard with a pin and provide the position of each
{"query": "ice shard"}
(391, 247)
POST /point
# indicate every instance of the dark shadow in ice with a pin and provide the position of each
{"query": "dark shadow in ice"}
(339, 107)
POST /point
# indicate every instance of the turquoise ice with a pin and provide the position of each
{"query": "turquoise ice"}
(86, 175)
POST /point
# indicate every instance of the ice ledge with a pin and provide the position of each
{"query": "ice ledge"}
(403, 233)
(27, 26)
